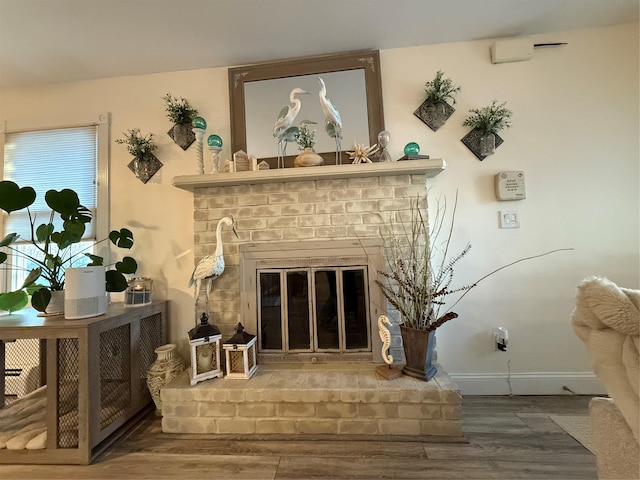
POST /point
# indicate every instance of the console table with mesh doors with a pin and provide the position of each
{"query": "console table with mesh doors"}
(93, 382)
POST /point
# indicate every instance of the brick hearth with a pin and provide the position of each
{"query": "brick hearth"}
(315, 399)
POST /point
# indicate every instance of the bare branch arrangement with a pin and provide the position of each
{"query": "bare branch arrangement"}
(419, 276)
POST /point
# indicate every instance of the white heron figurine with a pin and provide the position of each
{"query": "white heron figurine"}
(285, 119)
(211, 266)
(332, 117)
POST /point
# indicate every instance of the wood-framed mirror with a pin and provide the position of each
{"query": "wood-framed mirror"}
(258, 92)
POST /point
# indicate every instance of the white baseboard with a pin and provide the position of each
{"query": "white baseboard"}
(533, 383)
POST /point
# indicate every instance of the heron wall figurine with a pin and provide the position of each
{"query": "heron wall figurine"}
(285, 119)
(332, 117)
(211, 266)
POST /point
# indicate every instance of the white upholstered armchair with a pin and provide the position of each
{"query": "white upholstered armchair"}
(607, 320)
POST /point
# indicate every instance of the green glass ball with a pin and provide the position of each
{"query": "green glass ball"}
(411, 148)
(199, 122)
(214, 141)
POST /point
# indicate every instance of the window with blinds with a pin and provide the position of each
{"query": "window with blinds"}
(51, 159)
(45, 160)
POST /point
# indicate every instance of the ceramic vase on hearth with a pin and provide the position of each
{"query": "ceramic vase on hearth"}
(168, 365)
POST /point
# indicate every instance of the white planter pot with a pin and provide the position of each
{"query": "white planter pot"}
(56, 305)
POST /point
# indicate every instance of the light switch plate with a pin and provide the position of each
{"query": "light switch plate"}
(509, 219)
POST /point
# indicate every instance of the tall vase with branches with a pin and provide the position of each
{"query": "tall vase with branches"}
(418, 281)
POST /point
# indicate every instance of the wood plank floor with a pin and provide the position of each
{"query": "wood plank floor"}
(508, 438)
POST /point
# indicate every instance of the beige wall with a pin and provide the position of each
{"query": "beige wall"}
(575, 135)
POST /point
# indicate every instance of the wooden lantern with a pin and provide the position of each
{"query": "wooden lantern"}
(204, 341)
(240, 354)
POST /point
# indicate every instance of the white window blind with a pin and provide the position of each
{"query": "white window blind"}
(51, 159)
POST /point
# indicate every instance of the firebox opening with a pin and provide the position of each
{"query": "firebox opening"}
(322, 309)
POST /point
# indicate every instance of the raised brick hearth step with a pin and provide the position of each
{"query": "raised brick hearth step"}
(313, 399)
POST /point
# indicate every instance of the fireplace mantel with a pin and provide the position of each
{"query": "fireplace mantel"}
(430, 168)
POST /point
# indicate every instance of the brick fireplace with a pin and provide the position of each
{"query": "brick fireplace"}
(317, 218)
(294, 213)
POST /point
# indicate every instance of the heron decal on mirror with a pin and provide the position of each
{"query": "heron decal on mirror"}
(332, 117)
(285, 119)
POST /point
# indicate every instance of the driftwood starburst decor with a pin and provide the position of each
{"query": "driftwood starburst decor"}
(362, 153)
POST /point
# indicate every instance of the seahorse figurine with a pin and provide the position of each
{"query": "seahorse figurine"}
(385, 336)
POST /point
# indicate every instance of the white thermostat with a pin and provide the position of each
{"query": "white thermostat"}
(510, 185)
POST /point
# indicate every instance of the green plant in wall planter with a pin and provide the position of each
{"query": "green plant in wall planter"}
(181, 113)
(54, 246)
(144, 164)
(439, 98)
(486, 123)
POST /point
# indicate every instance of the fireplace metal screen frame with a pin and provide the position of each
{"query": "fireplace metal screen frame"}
(313, 253)
(312, 297)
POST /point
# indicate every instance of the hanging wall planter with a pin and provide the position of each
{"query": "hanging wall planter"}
(479, 143)
(144, 164)
(182, 134)
(146, 167)
(181, 113)
(436, 110)
(434, 115)
(486, 122)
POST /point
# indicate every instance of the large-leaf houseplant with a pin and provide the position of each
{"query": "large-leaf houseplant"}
(418, 281)
(53, 240)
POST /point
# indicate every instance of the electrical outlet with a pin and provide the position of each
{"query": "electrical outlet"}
(500, 339)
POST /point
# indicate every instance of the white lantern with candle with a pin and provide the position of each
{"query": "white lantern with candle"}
(204, 341)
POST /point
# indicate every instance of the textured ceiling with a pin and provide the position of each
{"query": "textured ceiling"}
(52, 41)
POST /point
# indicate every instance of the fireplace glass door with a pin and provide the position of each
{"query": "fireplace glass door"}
(320, 309)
